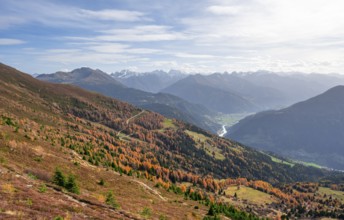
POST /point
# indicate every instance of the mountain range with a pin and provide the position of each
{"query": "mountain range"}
(236, 92)
(153, 81)
(70, 153)
(251, 92)
(180, 132)
(219, 92)
(312, 130)
(293, 86)
(296, 132)
(166, 104)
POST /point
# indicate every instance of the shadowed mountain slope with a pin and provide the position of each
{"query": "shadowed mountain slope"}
(198, 89)
(312, 130)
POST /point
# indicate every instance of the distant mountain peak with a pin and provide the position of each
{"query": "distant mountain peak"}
(82, 74)
(88, 70)
(156, 72)
(175, 72)
(126, 73)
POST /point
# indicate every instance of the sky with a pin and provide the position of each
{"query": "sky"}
(45, 36)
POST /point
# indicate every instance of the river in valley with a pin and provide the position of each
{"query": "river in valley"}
(223, 131)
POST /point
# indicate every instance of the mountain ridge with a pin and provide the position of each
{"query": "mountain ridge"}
(172, 106)
(195, 88)
(257, 91)
(79, 75)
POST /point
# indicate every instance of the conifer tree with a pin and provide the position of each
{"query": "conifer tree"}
(59, 178)
(71, 185)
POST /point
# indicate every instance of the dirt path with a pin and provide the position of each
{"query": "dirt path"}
(137, 115)
(128, 120)
(151, 190)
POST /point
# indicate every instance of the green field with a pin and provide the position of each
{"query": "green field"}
(168, 123)
(309, 164)
(197, 136)
(329, 192)
(230, 119)
(277, 160)
(251, 195)
(204, 142)
(292, 163)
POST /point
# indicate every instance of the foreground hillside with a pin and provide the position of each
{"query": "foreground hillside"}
(123, 162)
(312, 130)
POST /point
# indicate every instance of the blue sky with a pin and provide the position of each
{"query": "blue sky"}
(44, 36)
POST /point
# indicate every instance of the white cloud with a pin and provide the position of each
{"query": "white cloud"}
(115, 15)
(9, 41)
(114, 48)
(224, 10)
(144, 51)
(81, 58)
(61, 51)
(142, 33)
(7, 21)
(139, 29)
(267, 21)
(194, 56)
(59, 15)
(280, 32)
(108, 48)
(214, 35)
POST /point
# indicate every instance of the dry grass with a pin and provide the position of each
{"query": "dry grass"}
(251, 195)
(21, 196)
(8, 188)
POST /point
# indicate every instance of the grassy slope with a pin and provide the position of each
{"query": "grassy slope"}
(251, 195)
(21, 197)
(29, 162)
(329, 192)
(204, 142)
(34, 151)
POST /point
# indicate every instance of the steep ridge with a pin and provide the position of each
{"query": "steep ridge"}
(311, 130)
